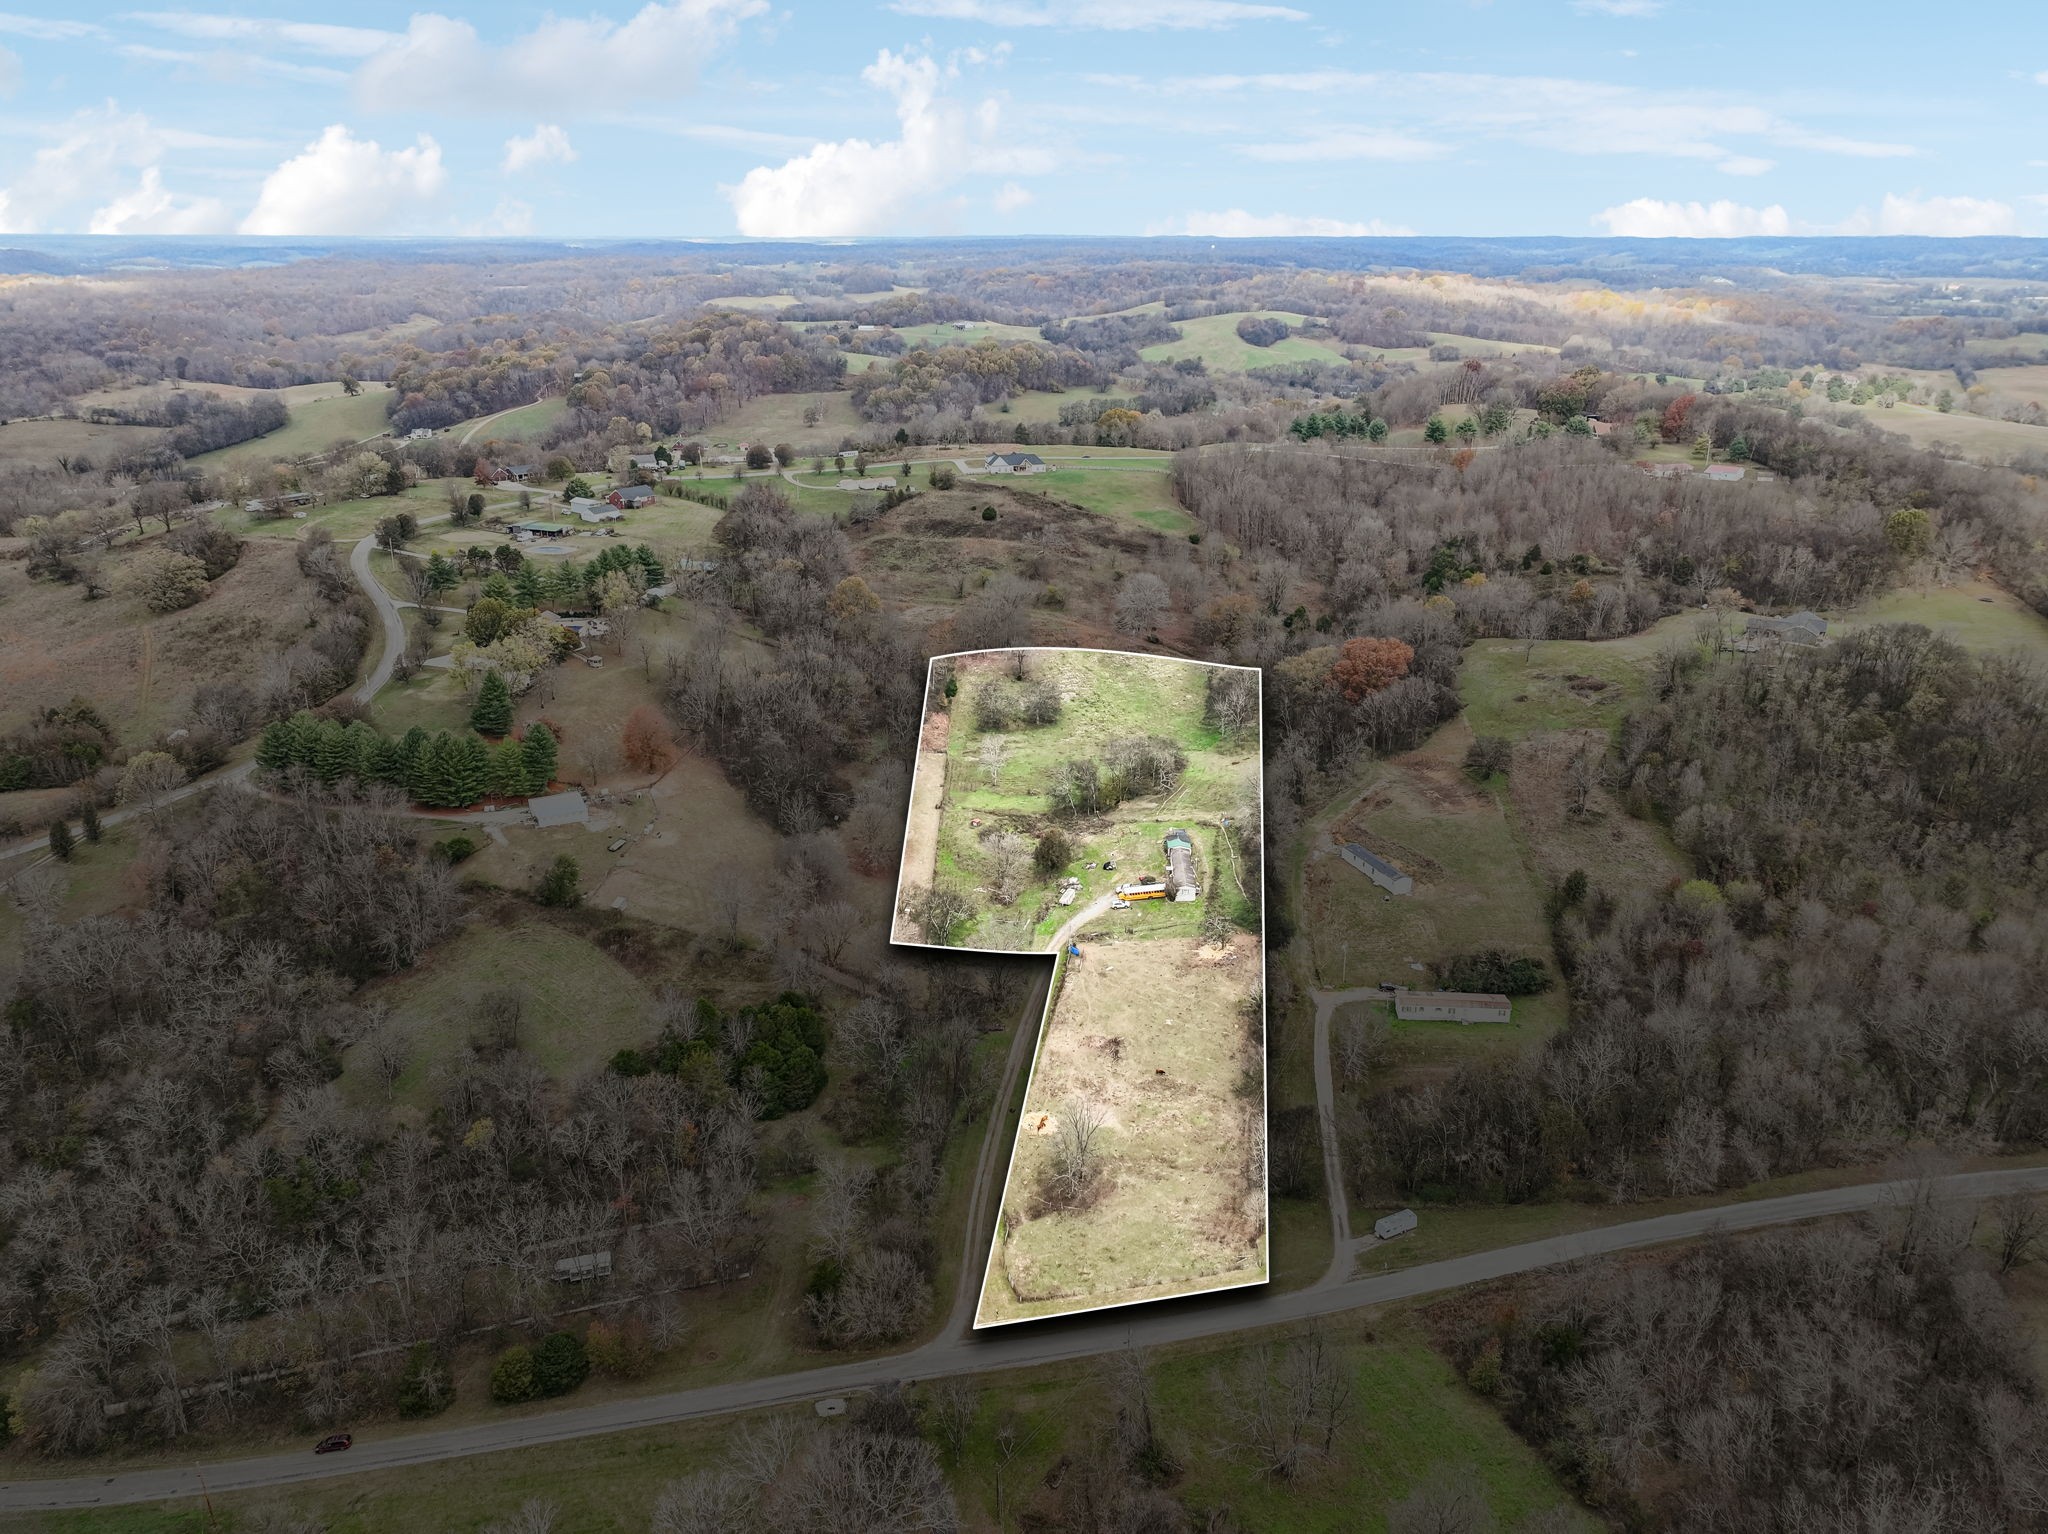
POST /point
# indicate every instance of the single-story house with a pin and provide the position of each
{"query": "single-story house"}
(567, 808)
(1452, 1007)
(418, 434)
(1013, 463)
(965, 324)
(1180, 866)
(1725, 473)
(541, 529)
(626, 497)
(519, 471)
(694, 566)
(646, 461)
(1801, 628)
(582, 625)
(1377, 869)
(593, 510)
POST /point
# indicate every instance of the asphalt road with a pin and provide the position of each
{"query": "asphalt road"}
(1011, 1348)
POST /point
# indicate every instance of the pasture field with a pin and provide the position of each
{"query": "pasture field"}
(526, 423)
(580, 1006)
(1141, 495)
(1975, 614)
(1974, 437)
(773, 418)
(1474, 888)
(139, 668)
(1514, 689)
(1040, 406)
(346, 520)
(1158, 1038)
(1215, 340)
(318, 421)
(45, 441)
(2026, 341)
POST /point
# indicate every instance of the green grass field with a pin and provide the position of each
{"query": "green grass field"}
(1513, 689)
(1143, 496)
(581, 1006)
(1975, 614)
(1977, 438)
(525, 423)
(316, 424)
(1215, 340)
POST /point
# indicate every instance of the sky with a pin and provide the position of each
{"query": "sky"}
(1218, 118)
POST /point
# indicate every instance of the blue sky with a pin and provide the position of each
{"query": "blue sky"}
(1092, 117)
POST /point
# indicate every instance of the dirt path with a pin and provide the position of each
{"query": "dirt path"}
(921, 826)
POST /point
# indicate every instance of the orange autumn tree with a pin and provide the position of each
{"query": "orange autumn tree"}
(1366, 666)
(646, 742)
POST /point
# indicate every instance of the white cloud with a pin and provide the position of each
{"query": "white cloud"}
(1955, 216)
(1618, 7)
(1555, 113)
(857, 187)
(147, 208)
(509, 217)
(1745, 165)
(10, 72)
(1648, 219)
(1101, 15)
(304, 36)
(227, 65)
(568, 60)
(546, 145)
(1012, 197)
(1236, 224)
(95, 158)
(1346, 144)
(47, 31)
(340, 184)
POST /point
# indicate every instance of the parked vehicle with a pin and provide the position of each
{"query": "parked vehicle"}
(334, 1443)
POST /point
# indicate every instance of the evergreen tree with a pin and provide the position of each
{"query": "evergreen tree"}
(650, 565)
(540, 755)
(332, 756)
(492, 712)
(565, 583)
(441, 573)
(526, 583)
(89, 819)
(61, 842)
(387, 762)
(498, 587)
(278, 748)
(508, 770)
(410, 745)
(469, 770)
(427, 775)
(363, 742)
(561, 884)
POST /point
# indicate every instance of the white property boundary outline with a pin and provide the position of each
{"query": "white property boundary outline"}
(1052, 990)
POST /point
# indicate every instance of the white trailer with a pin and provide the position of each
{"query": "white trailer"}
(1399, 1223)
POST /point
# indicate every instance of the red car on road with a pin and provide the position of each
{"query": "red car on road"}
(334, 1443)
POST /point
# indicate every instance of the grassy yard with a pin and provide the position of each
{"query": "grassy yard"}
(317, 422)
(1215, 340)
(1976, 437)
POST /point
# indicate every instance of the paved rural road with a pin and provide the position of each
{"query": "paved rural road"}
(1011, 1348)
(387, 612)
